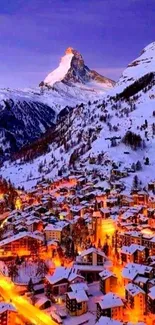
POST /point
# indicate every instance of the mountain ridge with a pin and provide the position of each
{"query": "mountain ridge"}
(30, 103)
(100, 135)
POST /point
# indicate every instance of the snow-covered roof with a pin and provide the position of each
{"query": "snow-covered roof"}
(132, 249)
(93, 250)
(79, 296)
(41, 301)
(133, 233)
(5, 306)
(151, 293)
(141, 279)
(131, 270)
(56, 227)
(68, 274)
(19, 236)
(87, 267)
(133, 289)
(106, 274)
(108, 321)
(110, 300)
(79, 286)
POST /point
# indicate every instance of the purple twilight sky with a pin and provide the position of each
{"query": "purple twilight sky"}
(35, 33)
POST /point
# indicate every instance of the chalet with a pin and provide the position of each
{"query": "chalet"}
(134, 254)
(108, 281)
(151, 186)
(56, 231)
(119, 172)
(91, 256)
(151, 218)
(126, 199)
(43, 303)
(112, 202)
(34, 224)
(25, 242)
(132, 270)
(110, 305)
(151, 301)
(129, 216)
(132, 237)
(140, 198)
(75, 287)
(117, 185)
(143, 282)
(105, 213)
(76, 302)
(90, 263)
(135, 298)
(58, 283)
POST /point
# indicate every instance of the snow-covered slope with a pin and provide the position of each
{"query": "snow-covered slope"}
(23, 118)
(95, 136)
(59, 73)
(141, 66)
(73, 72)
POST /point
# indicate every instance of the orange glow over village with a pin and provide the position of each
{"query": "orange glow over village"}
(68, 234)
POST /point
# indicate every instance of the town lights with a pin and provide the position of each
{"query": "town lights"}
(18, 204)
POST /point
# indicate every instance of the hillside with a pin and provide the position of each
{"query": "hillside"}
(114, 132)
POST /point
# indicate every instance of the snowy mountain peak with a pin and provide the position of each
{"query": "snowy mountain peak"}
(73, 71)
(69, 50)
(59, 73)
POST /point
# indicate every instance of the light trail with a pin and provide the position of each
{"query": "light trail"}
(23, 306)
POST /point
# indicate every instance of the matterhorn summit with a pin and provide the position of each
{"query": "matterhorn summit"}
(72, 71)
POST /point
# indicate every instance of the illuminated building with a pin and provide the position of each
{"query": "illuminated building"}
(110, 305)
(90, 263)
(55, 231)
(76, 303)
(151, 300)
(58, 283)
(18, 204)
(135, 297)
(24, 243)
(134, 254)
(108, 281)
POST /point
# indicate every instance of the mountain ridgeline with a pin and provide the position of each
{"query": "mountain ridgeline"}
(25, 115)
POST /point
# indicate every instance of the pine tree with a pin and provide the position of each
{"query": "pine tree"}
(138, 165)
(147, 162)
(133, 166)
(135, 182)
(30, 286)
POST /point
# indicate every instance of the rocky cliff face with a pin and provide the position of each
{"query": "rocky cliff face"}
(72, 70)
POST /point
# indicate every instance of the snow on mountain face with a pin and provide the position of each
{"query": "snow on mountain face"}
(23, 118)
(61, 71)
(141, 66)
(73, 71)
(93, 136)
